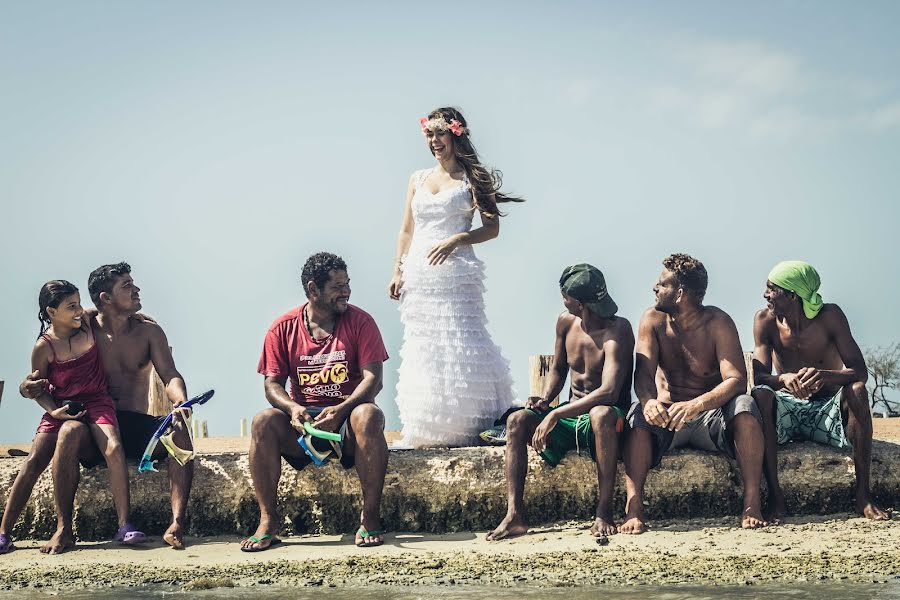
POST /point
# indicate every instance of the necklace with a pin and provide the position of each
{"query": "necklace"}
(321, 341)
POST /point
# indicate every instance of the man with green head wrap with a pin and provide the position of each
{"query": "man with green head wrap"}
(595, 347)
(818, 392)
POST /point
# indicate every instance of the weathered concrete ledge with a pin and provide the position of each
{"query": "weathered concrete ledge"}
(450, 490)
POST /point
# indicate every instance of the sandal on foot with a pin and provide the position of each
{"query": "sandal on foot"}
(274, 541)
(363, 534)
(5, 543)
(128, 534)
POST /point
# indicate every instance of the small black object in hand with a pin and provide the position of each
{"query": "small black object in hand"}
(73, 407)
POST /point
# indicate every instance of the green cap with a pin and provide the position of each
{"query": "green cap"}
(586, 284)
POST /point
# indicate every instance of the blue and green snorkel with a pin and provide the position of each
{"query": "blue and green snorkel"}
(165, 436)
(319, 455)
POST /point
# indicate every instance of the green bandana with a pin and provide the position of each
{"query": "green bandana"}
(802, 279)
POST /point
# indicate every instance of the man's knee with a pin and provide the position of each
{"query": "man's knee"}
(72, 435)
(265, 423)
(367, 419)
(765, 399)
(745, 422)
(519, 424)
(603, 417)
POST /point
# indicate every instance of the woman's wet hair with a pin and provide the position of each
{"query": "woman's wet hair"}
(485, 182)
(50, 296)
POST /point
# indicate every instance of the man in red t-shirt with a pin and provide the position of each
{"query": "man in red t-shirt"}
(332, 353)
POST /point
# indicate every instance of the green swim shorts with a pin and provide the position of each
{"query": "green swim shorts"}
(816, 420)
(573, 433)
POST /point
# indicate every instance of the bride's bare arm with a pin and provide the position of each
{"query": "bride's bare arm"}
(490, 228)
(403, 240)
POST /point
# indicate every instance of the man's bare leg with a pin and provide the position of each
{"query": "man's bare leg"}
(271, 435)
(180, 480)
(777, 507)
(749, 447)
(74, 442)
(859, 429)
(520, 427)
(638, 456)
(42, 448)
(606, 443)
(370, 452)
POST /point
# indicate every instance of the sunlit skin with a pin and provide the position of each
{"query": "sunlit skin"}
(812, 359)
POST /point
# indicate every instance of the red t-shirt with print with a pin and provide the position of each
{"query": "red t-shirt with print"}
(321, 374)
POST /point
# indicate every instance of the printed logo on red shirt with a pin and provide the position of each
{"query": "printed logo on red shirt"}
(323, 380)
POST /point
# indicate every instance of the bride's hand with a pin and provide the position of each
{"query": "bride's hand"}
(394, 287)
(440, 251)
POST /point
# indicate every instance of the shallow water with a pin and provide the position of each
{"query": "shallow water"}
(844, 591)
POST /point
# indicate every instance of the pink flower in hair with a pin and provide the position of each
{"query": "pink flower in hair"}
(422, 121)
(457, 128)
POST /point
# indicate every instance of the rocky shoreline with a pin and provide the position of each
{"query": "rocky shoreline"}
(697, 551)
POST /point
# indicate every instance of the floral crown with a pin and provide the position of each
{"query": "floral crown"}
(439, 123)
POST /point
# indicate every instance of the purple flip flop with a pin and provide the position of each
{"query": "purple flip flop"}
(128, 534)
(5, 543)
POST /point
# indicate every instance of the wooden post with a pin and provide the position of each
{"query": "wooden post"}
(538, 368)
(195, 427)
(748, 362)
(1, 390)
(205, 430)
(243, 428)
(159, 402)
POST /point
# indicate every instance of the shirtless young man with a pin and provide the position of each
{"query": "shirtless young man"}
(128, 348)
(820, 381)
(702, 401)
(596, 347)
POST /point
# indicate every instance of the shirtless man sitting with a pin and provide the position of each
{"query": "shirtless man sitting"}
(596, 347)
(128, 346)
(819, 390)
(702, 401)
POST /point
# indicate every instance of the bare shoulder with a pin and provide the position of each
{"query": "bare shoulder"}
(833, 318)
(148, 329)
(653, 318)
(42, 349)
(764, 317)
(718, 318)
(622, 329)
(564, 321)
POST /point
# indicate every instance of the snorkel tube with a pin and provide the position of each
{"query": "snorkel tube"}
(319, 457)
(147, 462)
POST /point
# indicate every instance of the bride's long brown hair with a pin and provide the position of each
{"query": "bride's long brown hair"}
(485, 183)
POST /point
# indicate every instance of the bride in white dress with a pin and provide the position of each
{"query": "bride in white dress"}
(453, 380)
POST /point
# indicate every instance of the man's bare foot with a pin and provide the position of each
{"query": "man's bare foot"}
(174, 536)
(868, 509)
(61, 541)
(753, 519)
(603, 527)
(634, 525)
(509, 527)
(776, 510)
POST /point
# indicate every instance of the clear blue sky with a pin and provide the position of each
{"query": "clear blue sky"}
(215, 145)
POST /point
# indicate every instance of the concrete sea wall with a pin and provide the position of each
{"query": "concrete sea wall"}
(449, 490)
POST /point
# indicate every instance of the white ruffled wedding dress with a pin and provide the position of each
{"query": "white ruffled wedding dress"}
(453, 381)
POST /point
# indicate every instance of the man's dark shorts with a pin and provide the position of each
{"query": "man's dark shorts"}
(135, 431)
(301, 461)
(708, 431)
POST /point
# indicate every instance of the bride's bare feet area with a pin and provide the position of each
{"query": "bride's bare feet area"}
(634, 525)
(61, 541)
(508, 528)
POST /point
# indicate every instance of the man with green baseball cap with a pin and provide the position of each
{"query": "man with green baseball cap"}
(586, 284)
(818, 392)
(595, 347)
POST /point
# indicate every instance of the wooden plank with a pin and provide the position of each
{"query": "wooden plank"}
(539, 366)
